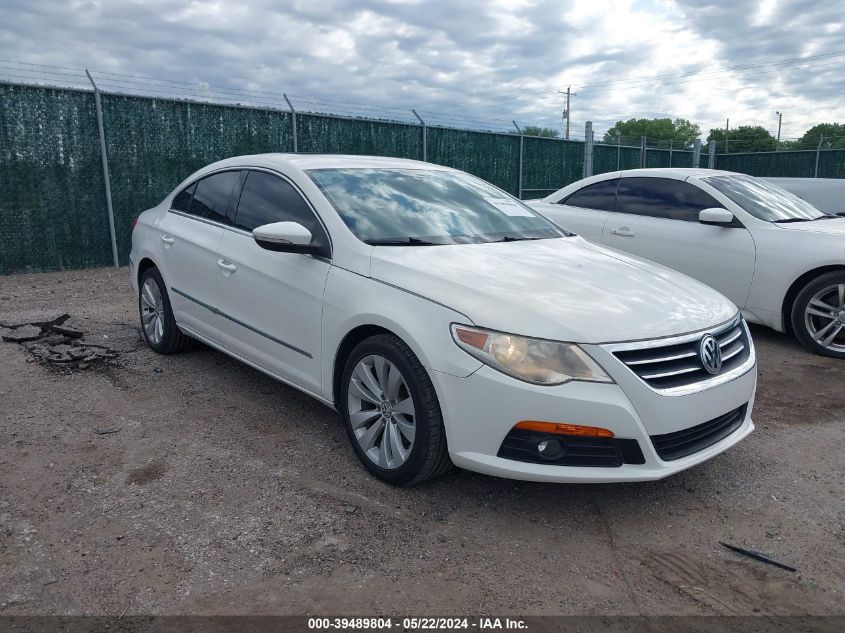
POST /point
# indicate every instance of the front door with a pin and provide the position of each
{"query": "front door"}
(657, 219)
(270, 303)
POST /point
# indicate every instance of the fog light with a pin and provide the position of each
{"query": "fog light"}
(549, 449)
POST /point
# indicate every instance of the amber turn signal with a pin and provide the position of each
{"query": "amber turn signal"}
(563, 429)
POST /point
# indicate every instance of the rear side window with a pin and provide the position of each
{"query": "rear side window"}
(266, 198)
(211, 198)
(662, 198)
(182, 201)
(600, 196)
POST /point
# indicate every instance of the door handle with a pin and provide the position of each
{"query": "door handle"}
(227, 266)
(167, 239)
(623, 231)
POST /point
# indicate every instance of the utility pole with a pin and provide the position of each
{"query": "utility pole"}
(780, 118)
(566, 111)
(727, 125)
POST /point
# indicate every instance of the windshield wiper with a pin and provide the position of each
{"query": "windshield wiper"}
(401, 241)
(511, 238)
(788, 220)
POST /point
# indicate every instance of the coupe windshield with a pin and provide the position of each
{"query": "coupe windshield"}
(764, 200)
(421, 206)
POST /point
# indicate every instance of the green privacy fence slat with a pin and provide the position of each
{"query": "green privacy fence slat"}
(52, 195)
(52, 201)
(832, 163)
(493, 157)
(550, 164)
(154, 144)
(323, 134)
(800, 164)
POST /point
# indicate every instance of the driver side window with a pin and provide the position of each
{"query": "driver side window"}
(266, 198)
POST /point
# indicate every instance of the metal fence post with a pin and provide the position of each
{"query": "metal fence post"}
(618, 150)
(670, 152)
(642, 151)
(696, 153)
(711, 162)
(521, 154)
(424, 134)
(818, 152)
(588, 150)
(292, 123)
(105, 161)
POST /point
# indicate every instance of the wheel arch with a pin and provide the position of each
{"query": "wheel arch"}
(347, 344)
(798, 285)
(143, 266)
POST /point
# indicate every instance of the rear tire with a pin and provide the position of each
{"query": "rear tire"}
(818, 315)
(391, 412)
(157, 322)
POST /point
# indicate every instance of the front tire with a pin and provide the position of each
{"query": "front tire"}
(818, 315)
(391, 412)
(157, 322)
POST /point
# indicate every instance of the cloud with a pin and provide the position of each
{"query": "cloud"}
(472, 62)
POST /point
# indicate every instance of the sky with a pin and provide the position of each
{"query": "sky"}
(474, 63)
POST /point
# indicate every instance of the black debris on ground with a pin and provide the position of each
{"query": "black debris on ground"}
(52, 340)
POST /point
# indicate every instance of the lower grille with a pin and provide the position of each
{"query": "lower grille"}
(679, 444)
(574, 450)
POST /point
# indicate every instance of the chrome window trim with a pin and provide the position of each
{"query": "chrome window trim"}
(703, 385)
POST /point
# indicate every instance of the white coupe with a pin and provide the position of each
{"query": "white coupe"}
(445, 320)
(776, 256)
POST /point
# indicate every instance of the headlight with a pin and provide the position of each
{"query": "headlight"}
(532, 360)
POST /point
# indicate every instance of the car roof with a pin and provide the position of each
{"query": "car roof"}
(675, 172)
(322, 161)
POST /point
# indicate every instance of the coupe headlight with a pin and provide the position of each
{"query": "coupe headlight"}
(532, 360)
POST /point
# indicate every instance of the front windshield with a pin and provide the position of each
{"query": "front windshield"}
(426, 206)
(764, 200)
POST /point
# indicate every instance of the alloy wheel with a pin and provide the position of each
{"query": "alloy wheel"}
(381, 411)
(152, 311)
(825, 317)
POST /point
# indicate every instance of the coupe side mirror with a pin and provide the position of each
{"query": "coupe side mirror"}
(284, 237)
(719, 217)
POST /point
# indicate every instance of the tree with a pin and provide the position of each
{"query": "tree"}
(745, 138)
(536, 130)
(681, 132)
(832, 136)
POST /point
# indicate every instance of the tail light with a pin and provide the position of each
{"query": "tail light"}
(133, 222)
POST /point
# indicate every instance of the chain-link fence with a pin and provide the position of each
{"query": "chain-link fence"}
(55, 205)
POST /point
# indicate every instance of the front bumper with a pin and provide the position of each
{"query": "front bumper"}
(481, 409)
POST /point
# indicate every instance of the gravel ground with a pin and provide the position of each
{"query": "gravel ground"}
(226, 492)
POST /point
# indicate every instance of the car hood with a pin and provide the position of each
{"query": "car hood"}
(565, 289)
(831, 227)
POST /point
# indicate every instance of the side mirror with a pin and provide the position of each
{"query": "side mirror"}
(284, 237)
(719, 217)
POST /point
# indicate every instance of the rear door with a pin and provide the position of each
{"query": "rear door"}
(271, 303)
(657, 218)
(190, 233)
(585, 211)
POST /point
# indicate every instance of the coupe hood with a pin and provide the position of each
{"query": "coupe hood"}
(563, 289)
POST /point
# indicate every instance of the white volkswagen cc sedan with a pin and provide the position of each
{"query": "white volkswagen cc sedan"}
(776, 256)
(445, 320)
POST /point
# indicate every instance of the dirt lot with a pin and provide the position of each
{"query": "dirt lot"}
(226, 492)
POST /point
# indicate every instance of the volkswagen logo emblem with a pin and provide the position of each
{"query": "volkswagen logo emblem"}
(710, 354)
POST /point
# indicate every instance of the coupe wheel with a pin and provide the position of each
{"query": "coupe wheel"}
(391, 412)
(818, 316)
(157, 322)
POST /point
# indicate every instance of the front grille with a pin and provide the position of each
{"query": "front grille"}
(688, 441)
(521, 445)
(678, 364)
